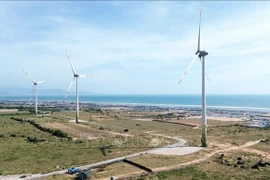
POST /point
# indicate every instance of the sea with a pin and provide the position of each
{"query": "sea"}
(237, 102)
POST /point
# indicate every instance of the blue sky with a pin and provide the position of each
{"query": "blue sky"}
(136, 47)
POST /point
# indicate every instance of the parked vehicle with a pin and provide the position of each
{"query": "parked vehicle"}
(73, 170)
(84, 175)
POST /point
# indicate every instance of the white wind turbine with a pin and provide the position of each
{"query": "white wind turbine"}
(35, 86)
(201, 55)
(75, 76)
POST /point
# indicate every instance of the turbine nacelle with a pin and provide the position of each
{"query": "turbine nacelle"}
(75, 75)
(202, 53)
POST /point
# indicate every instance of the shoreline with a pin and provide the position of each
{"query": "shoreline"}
(252, 116)
(160, 105)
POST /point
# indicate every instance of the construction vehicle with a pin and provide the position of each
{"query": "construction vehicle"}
(73, 170)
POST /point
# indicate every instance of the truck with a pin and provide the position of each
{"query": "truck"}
(83, 175)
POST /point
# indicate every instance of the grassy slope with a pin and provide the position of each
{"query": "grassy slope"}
(19, 156)
(213, 170)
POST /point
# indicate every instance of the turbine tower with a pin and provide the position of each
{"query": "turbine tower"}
(201, 54)
(75, 76)
(35, 86)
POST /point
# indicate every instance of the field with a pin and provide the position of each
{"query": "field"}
(213, 169)
(49, 153)
(109, 133)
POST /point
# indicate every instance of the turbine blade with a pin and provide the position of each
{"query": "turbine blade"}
(199, 35)
(72, 67)
(84, 76)
(192, 62)
(69, 87)
(205, 72)
(29, 76)
(39, 82)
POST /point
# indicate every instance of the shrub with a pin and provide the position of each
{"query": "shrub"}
(57, 132)
(12, 135)
(34, 140)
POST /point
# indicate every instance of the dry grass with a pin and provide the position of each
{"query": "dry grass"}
(115, 169)
(213, 170)
(60, 177)
(156, 161)
(262, 146)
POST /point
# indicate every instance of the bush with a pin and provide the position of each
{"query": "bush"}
(34, 140)
(12, 135)
(57, 132)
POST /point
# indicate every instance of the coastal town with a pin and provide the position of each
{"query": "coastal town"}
(249, 117)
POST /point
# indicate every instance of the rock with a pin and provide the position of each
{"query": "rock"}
(235, 165)
(265, 140)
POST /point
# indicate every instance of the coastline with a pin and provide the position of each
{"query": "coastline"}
(191, 106)
(252, 116)
(221, 102)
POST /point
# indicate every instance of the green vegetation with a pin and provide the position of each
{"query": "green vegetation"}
(54, 132)
(27, 147)
(31, 144)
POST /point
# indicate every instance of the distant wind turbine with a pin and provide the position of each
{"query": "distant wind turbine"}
(201, 55)
(36, 83)
(75, 76)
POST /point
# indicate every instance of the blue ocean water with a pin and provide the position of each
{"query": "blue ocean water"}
(259, 102)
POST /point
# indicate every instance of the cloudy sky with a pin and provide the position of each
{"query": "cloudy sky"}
(136, 47)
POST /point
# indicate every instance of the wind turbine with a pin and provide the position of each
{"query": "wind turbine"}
(35, 86)
(201, 54)
(75, 76)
